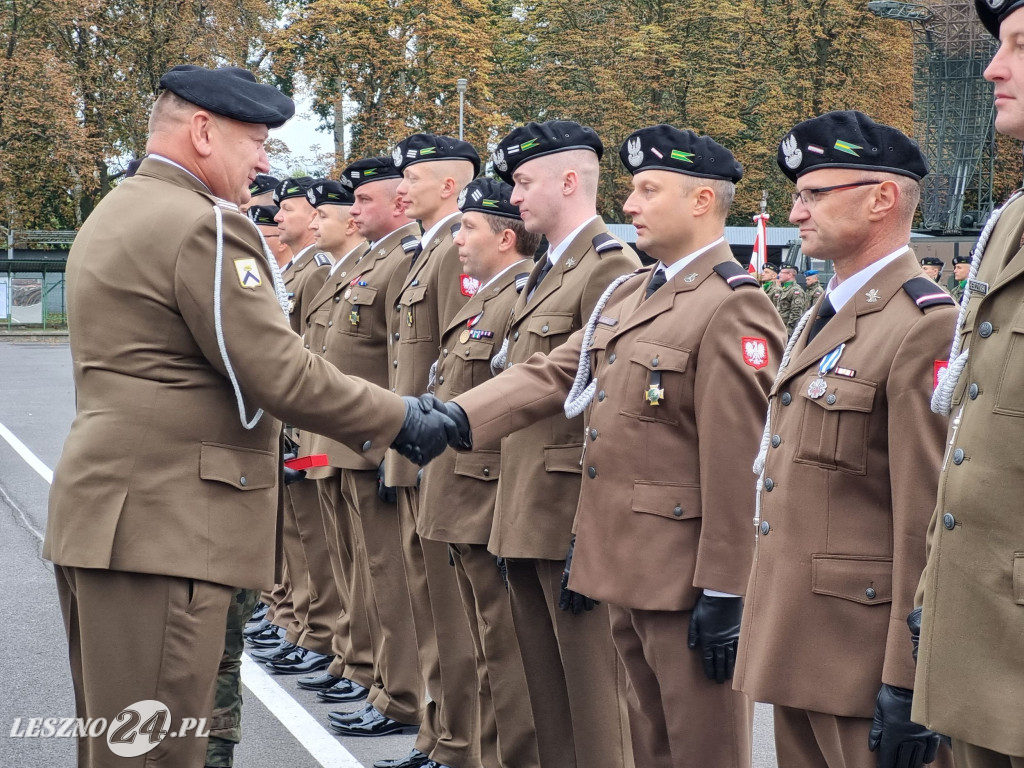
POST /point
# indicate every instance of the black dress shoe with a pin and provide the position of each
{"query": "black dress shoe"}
(278, 651)
(433, 764)
(259, 612)
(257, 629)
(318, 682)
(343, 692)
(415, 759)
(343, 718)
(373, 723)
(266, 638)
(301, 661)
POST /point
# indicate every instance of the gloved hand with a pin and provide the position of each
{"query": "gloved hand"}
(715, 627)
(292, 475)
(462, 438)
(385, 492)
(899, 742)
(914, 622)
(567, 599)
(502, 570)
(425, 433)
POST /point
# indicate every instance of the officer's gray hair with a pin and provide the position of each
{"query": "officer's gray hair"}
(725, 191)
(169, 109)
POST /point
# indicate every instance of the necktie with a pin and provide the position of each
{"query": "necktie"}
(825, 313)
(657, 280)
(543, 273)
(415, 255)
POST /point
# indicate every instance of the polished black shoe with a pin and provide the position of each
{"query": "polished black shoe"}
(258, 628)
(415, 759)
(318, 682)
(373, 723)
(434, 764)
(301, 661)
(279, 651)
(344, 718)
(344, 691)
(266, 638)
(259, 612)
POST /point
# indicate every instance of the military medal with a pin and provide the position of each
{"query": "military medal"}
(819, 386)
(353, 316)
(464, 337)
(655, 392)
(408, 317)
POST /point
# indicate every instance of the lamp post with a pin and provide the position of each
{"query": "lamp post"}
(460, 86)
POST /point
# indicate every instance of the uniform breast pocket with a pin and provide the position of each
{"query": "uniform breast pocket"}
(549, 331)
(473, 366)
(834, 427)
(1010, 392)
(415, 323)
(656, 382)
(360, 320)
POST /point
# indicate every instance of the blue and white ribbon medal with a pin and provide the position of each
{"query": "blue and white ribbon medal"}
(819, 386)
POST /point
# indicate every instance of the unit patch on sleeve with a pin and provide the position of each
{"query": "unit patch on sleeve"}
(248, 273)
(755, 352)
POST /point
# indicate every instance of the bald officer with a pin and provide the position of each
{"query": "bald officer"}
(170, 454)
(970, 602)
(850, 457)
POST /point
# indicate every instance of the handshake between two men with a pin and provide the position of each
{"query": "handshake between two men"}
(430, 426)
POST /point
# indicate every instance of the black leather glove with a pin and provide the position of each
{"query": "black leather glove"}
(715, 627)
(292, 475)
(914, 622)
(385, 492)
(425, 433)
(899, 742)
(567, 599)
(502, 570)
(462, 438)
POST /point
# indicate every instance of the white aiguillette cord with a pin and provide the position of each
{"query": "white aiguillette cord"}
(218, 321)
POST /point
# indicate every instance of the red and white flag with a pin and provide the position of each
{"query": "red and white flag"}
(760, 254)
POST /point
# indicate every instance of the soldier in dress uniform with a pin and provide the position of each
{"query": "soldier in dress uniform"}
(932, 267)
(170, 454)
(791, 301)
(680, 357)
(458, 490)
(261, 191)
(961, 269)
(848, 462)
(814, 290)
(970, 617)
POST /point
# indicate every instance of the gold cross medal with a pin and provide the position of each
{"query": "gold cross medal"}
(408, 317)
(655, 393)
(353, 316)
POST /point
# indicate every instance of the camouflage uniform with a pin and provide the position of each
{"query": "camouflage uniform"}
(226, 720)
(773, 290)
(958, 290)
(792, 304)
(812, 294)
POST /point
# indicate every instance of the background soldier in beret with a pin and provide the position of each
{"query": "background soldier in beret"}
(770, 282)
(791, 301)
(849, 458)
(458, 490)
(681, 357)
(814, 290)
(261, 191)
(169, 455)
(970, 668)
(932, 267)
(961, 269)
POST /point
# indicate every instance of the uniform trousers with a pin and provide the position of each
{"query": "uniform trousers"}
(450, 731)
(678, 718)
(397, 689)
(577, 684)
(134, 637)
(805, 739)
(508, 737)
(972, 756)
(281, 612)
(352, 643)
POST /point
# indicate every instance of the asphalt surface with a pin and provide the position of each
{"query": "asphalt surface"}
(281, 723)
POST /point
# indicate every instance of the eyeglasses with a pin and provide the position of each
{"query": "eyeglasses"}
(810, 196)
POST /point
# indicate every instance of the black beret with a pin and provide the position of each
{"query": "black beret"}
(992, 12)
(931, 261)
(263, 183)
(329, 192)
(231, 92)
(539, 139)
(422, 147)
(488, 196)
(294, 187)
(369, 169)
(961, 260)
(665, 148)
(849, 139)
(263, 214)
(790, 265)
(772, 266)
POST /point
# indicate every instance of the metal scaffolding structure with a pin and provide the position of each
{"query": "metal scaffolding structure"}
(953, 109)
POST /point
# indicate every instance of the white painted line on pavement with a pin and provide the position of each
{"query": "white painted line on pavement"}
(324, 748)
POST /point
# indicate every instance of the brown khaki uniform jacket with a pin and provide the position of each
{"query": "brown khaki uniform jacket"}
(158, 475)
(541, 464)
(421, 305)
(458, 490)
(350, 321)
(304, 279)
(663, 510)
(970, 668)
(849, 486)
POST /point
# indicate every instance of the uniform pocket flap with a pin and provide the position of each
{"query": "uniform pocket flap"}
(844, 394)
(414, 295)
(866, 580)
(550, 325)
(477, 350)
(363, 295)
(563, 458)
(483, 465)
(656, 356)
(677, 502)
(243, 468)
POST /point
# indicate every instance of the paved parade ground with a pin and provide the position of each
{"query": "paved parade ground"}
(282, 725)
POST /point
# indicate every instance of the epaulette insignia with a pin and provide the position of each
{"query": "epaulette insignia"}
(456, 227)
(605, 242)
(410, 243)
(735, 275)
(322, 259)
(927, 293)
(521, 279)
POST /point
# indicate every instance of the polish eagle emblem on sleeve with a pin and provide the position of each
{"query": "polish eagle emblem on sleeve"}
(792, 152)
(755, 352)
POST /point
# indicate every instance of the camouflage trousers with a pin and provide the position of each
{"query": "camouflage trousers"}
(226, 721)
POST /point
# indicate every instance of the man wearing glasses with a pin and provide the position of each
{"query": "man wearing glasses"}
(849, 462)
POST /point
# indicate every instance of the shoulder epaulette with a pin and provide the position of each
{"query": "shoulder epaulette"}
(322, 259)
(456, 227)
(734, 274)
(927, 293)
(410, 243)
(521, 279)
(605, 242)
